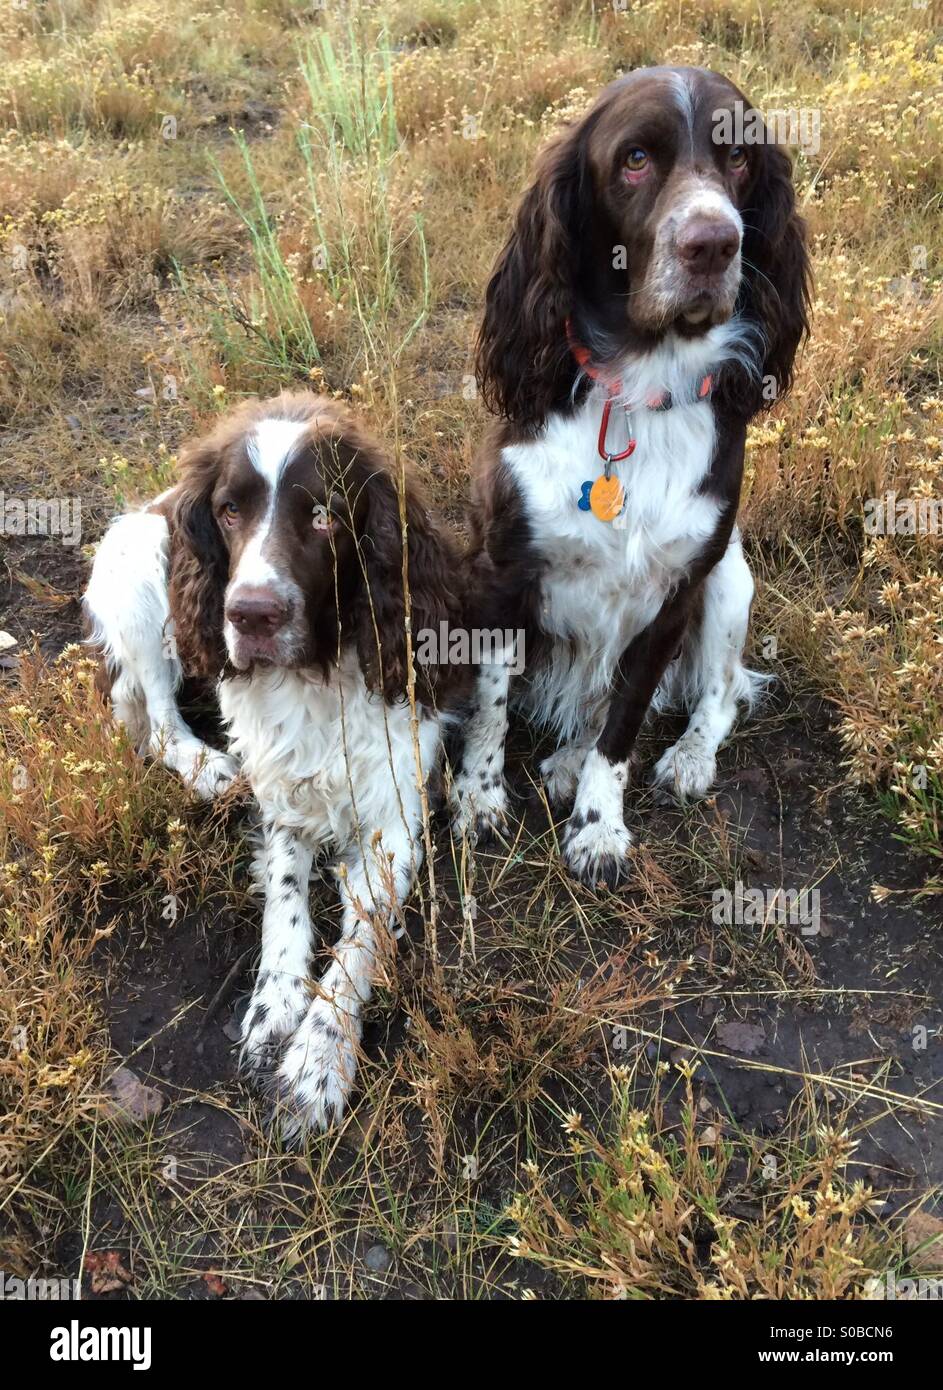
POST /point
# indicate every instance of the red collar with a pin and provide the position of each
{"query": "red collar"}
(662, 401)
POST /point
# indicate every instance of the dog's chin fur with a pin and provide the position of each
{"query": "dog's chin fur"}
(690, 307)
(692, 323)
(707, 312)
(281, 654)
(693, 317)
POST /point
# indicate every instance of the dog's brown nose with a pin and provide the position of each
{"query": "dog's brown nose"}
(257, 612)
(707, 247)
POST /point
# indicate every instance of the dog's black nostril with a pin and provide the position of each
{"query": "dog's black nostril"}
(257, 613)
(708, 247)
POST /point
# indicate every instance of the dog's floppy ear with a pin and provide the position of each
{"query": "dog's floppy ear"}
(523, 364)
(777, 270)
(199, 565)
(431, 574)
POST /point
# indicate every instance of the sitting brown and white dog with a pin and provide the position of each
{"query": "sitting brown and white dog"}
(277, 565)
(649, 301)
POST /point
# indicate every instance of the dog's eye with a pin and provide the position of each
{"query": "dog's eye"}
(321, 518)
(636, 161)
(229, 513)
(738, 157)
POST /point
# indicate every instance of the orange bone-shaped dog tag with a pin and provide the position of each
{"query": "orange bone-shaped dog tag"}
(606, 498)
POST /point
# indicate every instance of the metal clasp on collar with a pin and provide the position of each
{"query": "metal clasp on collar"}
(604, 453)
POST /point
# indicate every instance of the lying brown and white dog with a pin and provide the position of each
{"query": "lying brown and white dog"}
(649, 301)
(277, 565)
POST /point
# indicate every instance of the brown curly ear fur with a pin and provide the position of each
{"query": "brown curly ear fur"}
(523, 364)
(431, 574)
(199, 566)
(777, 289)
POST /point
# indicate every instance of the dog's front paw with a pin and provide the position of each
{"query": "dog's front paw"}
(317, 1073)
(595, 851)
(211, 773)
(277, 1006)
(481, 806)
(687, 769)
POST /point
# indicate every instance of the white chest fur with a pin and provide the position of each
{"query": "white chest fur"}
(605, 582)
(331, 760)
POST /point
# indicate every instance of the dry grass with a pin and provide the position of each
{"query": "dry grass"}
(334, 192)
(702, 1211)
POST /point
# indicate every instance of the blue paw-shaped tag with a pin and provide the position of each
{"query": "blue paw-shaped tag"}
(585, 490)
